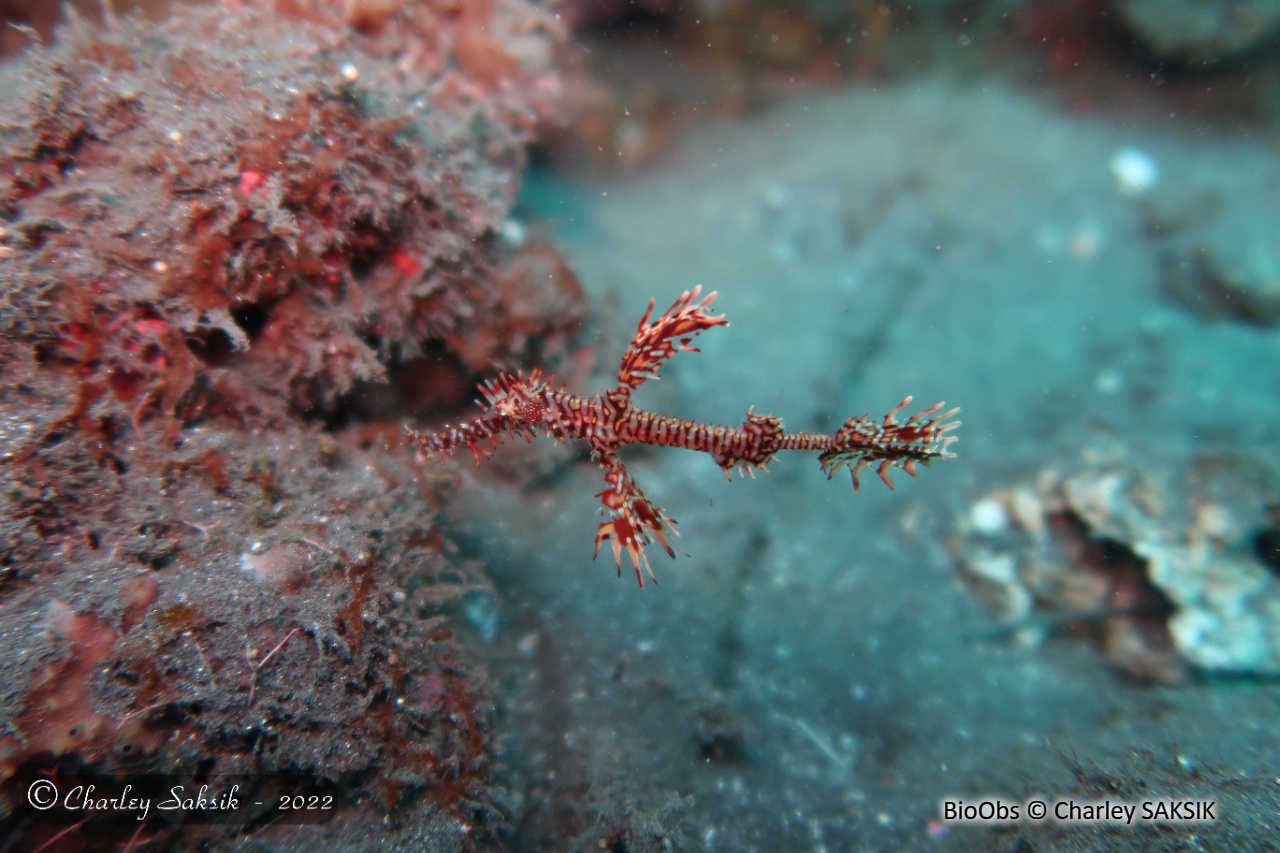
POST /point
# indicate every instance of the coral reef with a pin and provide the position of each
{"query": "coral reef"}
(218, 235)
(1168, 560)
(293, 221)
(250, 606)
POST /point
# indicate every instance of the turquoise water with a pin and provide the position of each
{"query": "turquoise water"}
(820, 672)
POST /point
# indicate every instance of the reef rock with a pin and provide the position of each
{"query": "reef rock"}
(1167, 560)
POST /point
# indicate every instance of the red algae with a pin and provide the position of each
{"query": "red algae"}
(220, 231)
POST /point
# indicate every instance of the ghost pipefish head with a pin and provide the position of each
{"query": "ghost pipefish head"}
(517, 400)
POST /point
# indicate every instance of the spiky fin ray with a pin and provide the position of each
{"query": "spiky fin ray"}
(631, 520)
(891, 443)
(671, 333)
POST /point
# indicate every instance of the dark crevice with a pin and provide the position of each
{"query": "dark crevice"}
(1129, 591)
(212, 346)
(1114, 603)
(252, 317)
(436, 382)
(1266, 541)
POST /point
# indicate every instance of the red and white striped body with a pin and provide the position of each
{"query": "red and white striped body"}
(607, 422)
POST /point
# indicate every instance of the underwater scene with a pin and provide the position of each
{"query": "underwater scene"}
(662, 425)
